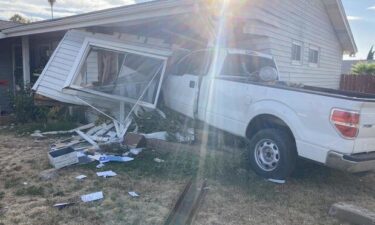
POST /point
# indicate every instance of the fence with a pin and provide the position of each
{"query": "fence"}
(358, 83)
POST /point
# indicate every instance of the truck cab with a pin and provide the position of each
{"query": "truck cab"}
(186, 88)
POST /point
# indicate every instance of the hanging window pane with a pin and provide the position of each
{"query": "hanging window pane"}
(125, 75)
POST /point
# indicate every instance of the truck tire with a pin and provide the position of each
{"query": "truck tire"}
(272, 153)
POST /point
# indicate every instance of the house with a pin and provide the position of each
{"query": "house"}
(347, 65)
(6, 81)
(307, 38)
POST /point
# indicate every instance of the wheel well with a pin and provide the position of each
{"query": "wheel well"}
(266, 121)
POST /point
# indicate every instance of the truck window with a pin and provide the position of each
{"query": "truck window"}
(241, 65)
(194, 64)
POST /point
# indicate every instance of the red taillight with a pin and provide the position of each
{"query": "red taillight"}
(346, 122)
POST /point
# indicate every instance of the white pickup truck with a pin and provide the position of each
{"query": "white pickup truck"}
(236, 91)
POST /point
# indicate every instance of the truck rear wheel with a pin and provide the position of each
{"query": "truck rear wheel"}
(272, 153)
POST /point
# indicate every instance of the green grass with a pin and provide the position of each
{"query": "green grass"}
(30, 191)
(12, 182)
(176, 165)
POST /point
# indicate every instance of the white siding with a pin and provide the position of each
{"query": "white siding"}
(304, 21)
(54, 75)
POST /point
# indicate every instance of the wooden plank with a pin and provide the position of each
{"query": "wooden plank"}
(352, 214)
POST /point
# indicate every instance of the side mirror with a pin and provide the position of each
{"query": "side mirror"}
(268, 74)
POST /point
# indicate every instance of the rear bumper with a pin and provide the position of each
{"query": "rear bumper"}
(351, 163)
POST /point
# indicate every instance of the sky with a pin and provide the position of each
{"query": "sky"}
(361, 14)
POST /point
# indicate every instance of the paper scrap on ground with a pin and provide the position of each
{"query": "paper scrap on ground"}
(136, 151)
(112, 158)
(158, 135)
(92, 197)
(105, 174)
(158, 160)
(277, 181)
(62, 205)
(133, 194)
(80, 177)
(100, 165)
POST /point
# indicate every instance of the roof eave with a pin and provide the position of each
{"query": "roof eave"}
(341, 25)
(114, 15)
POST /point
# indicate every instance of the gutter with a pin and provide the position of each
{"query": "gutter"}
(115, 15)
(2, 35)
(347, 26)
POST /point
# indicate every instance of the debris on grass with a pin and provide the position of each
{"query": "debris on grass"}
(136, 151)
(276, 181)
(63, 205)
(81, 177)
(92, 196)
(106, 174)
(133, 194)
(100, 165)
(159, 160)
(113, 158)
(37, 134)
(157, 135)
(63, 157)
(134, 140)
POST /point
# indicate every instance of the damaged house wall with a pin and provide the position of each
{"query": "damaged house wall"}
(54, 76)
(6, 72)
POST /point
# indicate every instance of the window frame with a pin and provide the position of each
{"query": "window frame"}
(317, 49)
(300, 44)
(112, 45)
(188, 56)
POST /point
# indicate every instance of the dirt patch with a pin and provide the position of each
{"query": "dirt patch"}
(236, 196)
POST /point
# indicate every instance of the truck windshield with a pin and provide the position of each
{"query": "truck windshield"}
(245, 65)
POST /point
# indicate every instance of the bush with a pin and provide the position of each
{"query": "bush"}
(24, 107)
(364, 69)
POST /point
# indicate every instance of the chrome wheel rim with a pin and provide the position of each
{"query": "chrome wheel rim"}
(267, 155)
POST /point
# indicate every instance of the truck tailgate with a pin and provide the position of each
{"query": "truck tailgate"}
(366, 136)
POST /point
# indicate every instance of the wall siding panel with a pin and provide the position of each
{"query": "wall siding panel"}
(304, 21)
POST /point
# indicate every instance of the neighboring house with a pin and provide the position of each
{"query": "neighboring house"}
(307, 38)
(347, 65)
(6, 72)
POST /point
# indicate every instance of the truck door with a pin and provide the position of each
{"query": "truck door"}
(181, 85)
(229, 97)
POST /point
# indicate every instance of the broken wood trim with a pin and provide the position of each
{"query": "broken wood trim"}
(84, 127)
(88, 139)
(352, 214)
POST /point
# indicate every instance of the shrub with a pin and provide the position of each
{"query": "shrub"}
(364, 69)
(24, 107)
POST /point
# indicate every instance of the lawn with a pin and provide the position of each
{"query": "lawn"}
(235, 196)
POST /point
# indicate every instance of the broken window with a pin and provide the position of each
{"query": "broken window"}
(241, 65)
(196, 63)
(123, 75)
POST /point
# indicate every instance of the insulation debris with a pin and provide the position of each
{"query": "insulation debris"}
(159, 160)
(106, 174)
(81, 177)
(133, 194)
(92, 197)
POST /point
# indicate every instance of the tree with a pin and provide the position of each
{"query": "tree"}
(371, 53)
(17, 18)
(51, 3)
(364, 69)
